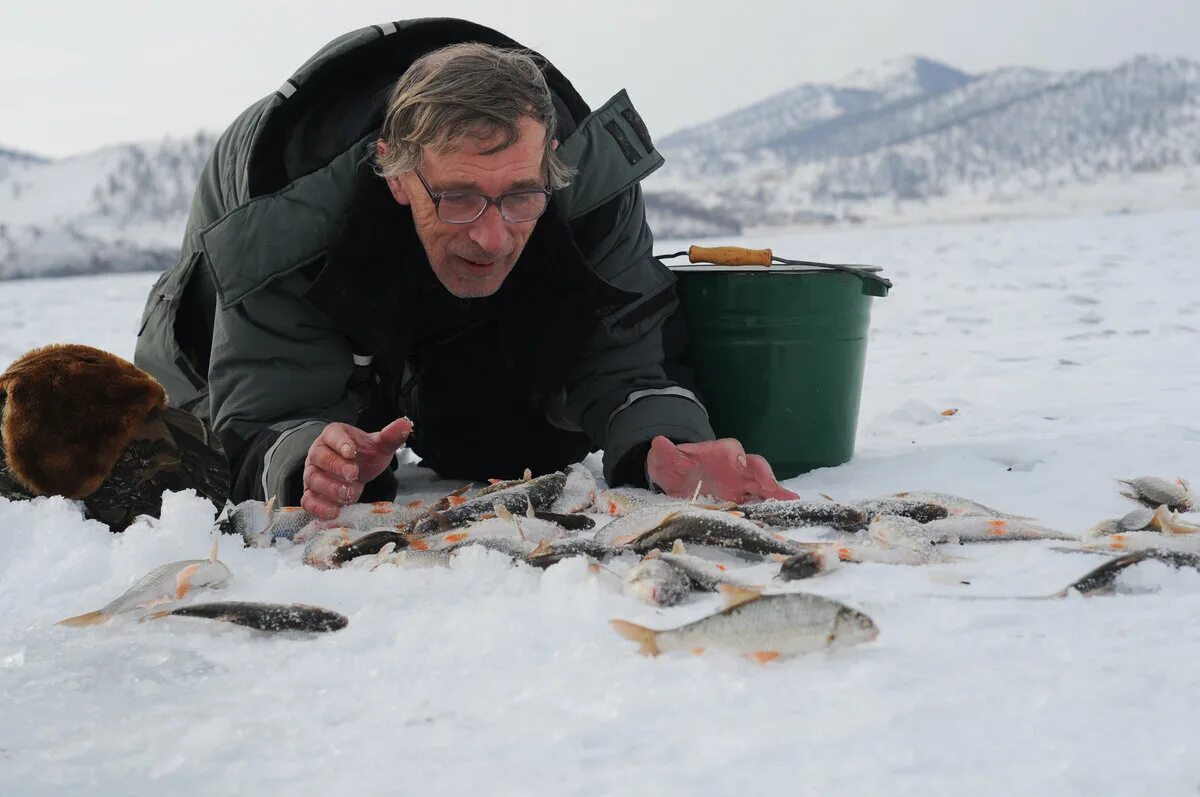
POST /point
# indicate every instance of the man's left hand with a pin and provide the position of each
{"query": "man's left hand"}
(722, 468)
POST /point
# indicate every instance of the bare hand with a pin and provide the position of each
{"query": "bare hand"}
(343, 460)
(722, 468)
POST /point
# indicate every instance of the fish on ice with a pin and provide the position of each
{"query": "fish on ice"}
(165, 584)
(272, 617)
(957, 505)
(760, 627)
(654, 581)
(710, 527)
(1153, 491)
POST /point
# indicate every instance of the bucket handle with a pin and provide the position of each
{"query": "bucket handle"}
(741, 256)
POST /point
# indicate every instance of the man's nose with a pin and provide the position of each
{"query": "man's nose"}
(490, 230)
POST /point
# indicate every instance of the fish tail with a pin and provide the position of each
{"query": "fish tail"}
(647, 638)
(84, 620)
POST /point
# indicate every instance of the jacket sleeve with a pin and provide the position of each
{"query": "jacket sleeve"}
(278, 375)
(620, 393)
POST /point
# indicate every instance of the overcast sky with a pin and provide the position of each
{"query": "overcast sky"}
(78, 75)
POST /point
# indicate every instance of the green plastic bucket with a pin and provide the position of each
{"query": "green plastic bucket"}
(778, 354)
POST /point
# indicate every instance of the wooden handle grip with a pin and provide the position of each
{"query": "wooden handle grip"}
(729, 255)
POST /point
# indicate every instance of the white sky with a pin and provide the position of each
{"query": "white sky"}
(78, 75)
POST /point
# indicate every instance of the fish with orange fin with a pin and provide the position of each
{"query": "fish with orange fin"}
(760, 627)
(704, 575)
(1161, 519)
(166, 584)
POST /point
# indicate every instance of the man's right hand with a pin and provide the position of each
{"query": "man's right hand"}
(343, 460)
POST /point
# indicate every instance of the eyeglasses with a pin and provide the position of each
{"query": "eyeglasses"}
(463, 207)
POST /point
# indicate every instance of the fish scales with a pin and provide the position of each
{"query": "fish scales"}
(272, 617)
(553, 552)
(703, 574)
(637, 522)
(164, 584)
(957, 505)
(920, 511)
(579, 492)
(657, 582)
(538, 493)
(1153, 491)
(766, 626)
(804, 514)
(711, 527)
(983, 529)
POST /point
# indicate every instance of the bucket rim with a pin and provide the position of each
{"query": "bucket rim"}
(778, 269)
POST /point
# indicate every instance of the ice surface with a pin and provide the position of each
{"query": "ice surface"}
(1069, 347)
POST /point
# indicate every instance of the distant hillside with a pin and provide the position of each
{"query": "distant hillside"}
(920, 136)
(910, 139)
(121, 208)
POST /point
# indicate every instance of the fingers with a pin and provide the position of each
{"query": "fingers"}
(318, 506)
(390, 438)
(765, 484)
(335, 491)
(327, 459)
(341, 438)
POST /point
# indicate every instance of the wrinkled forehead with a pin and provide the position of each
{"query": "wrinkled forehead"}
(490, 154)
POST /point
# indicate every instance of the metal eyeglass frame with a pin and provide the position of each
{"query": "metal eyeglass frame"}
(489, 201)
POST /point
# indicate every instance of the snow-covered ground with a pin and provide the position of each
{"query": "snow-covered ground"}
(1070, 349)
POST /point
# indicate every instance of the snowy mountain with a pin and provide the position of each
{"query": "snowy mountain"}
(915, 137)
(912, 139)
(121, 208)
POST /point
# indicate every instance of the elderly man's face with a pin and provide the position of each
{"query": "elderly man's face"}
(472, 260)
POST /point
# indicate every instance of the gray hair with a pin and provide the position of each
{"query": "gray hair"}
(472, 92)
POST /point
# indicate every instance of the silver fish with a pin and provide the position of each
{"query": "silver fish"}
(654, 581)
(1136, 520)
(579, 492)
(983, 529)
(1153, 491)
(957, 505)
(885, 529)
(321, 549)
(808, 564)
(513, 547)
(538, 493)
(920, 511)
(703, 574)
(799, 513)
(1143, 540)
(628, 526)
(166, 584)
(552, 552)
(711, 527)
(1143, 519)
(761, 627)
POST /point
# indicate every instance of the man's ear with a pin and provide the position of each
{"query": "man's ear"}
(553, 144)
(399, 193)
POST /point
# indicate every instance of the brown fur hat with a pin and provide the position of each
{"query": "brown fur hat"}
(68, 411)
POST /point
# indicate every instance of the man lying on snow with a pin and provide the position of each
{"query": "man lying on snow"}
(465, 247)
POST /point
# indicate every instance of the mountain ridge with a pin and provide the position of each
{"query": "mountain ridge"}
(909, 139)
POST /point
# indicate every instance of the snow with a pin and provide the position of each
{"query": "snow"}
(1069, 348)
